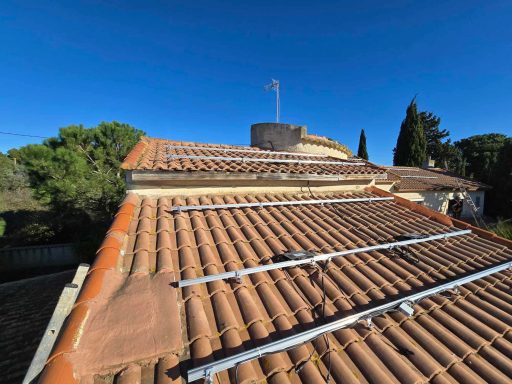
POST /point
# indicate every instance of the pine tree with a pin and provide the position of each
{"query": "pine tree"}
(361, 151)
(411, 146)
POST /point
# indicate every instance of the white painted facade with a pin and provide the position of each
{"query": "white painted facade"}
(438, 200)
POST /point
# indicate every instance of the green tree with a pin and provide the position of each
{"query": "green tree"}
(500, 197)
(481, 154)
(452, 158)
(411, 146)
(434, 136)
(77, 178)
(361, 151)
(80, 169)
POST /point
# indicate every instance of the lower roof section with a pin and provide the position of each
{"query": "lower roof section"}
(132, 324)
(430, 179)
(26, 306)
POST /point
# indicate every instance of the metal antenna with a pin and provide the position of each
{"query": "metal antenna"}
(274, 86)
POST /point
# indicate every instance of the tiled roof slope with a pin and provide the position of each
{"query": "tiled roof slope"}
(153, 154)
(115, 335)
(434, 179)
(25, 309)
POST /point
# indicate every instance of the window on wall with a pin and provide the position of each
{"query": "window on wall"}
(477, 201)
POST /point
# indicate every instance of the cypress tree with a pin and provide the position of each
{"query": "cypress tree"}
(361, 151)
(411, 146)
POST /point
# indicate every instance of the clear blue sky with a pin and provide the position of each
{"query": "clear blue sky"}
(195, 70)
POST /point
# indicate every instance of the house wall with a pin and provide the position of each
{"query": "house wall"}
(39, 256)
(438, 200)
(201, 187)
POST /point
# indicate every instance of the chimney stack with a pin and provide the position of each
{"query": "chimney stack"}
(429, 163)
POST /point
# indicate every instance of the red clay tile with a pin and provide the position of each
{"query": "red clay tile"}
(440, 343)
(153, 154)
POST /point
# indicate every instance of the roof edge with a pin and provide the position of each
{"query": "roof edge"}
(131, 160)
(441, 218)
(58, 368)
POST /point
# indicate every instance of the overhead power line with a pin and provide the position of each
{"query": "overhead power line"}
(21, 134)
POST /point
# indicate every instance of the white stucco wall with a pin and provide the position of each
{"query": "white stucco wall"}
(438, 200)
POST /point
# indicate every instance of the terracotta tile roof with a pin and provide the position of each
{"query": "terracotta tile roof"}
(153, 154)
(25, 309)
(432, 179)
(125, 327)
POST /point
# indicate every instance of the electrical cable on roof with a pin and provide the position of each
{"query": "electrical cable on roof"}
(324, 271)
(311, 309)
(236, 373)
(406, 254)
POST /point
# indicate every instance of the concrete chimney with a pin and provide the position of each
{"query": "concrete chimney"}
(429, 163)
(294, 138)
(276, 136)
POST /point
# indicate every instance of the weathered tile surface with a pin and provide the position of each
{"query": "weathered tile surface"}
(154, 154)
(434, 179)
(453, 337)
(26, 307)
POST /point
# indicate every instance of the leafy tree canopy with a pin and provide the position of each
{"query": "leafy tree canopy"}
(80, 169)
(481, 154)
(411, 146)
(434, 135)
(362, 151)
(501, 179)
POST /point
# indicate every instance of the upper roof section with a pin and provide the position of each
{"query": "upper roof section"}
(433, 179)
(175, 156)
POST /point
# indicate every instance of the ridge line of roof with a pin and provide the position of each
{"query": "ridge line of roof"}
(131, 160)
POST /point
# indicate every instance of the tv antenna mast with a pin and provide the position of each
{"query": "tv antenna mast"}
(274, 86)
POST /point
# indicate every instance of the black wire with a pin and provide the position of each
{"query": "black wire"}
(21, 134)
(405, 254)
(324, 296)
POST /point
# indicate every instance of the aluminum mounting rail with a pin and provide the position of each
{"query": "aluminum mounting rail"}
(245, 150)
(404, 304)
(264, 160)
(325, 257)
(277, 203)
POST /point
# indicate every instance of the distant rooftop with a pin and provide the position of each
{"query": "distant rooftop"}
(25, 310)
(431, 179)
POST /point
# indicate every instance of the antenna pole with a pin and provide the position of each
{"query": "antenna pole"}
(277, 103)
(274, 86)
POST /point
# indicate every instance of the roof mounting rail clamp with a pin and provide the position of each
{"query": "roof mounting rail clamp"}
(208, 374)
(406, 308)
